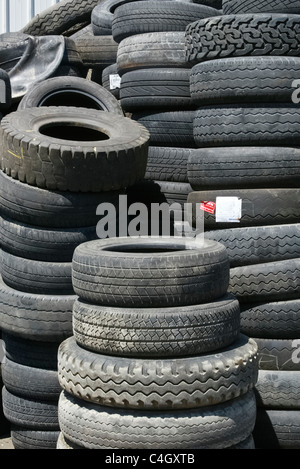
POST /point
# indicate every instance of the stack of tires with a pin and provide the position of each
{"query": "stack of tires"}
(246, 128)
(154, 89)
(53, 179)
(157, 359)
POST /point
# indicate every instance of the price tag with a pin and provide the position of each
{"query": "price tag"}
(228, 209)
(114, 81)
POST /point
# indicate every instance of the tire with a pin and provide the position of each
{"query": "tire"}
(30, 413)
(107, 77)
(128, 273)
(167, 332)
(35, 317)
(12, 48)
(5, 91)
(271, 320)
(168, 164)
(59, 18)
(271, 281)
(150, 50)
(169, 128)
(246, 124)
(42, 244)
(97, 52)
(260, 207)
(23, 438)
(174, 192)
(64, 443)
(96, 427)
(158, 88)
(102, 152)
(277, 354)
(30, 382)
(156, 16)
(235, 7)
(231, 36)
(278, 389)
(244, 80)
(277, 429)
(31, 353)
(255, 245)
(50, 209)
(244, 167)
(65, 91)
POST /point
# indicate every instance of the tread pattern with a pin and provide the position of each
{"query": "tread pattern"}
(242, 35)
(278, 390)
(237, 7)
(276, 354)
(168, 164)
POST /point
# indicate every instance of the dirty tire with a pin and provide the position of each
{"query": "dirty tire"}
(277, 429)
(97, 52)
(23, 438)
(236, 7)
(278, 354)
(242, 35)
(168, 164)
(101, 152)
(129, 273)
(96, 427)
(278, 389)
(167, 332)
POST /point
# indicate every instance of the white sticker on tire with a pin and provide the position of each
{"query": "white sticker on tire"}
(114, 81)
(228, 209)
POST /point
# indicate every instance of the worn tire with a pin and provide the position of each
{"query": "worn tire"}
(278, 389)
(277, 429)
(24, 438)
(98, 427)
(278, 354)
(65, 91)
(236, 7)
(242, 35)
(168, 164)
(166, 332)
(97, 52)
(129, 272)
(102, 151)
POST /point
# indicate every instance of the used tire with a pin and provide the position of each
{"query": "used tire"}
(65, 91)
(278, 389)
(277, 354)
(146, 273)
(180, 383)
(231, 36)
(97, 52)
(95, 153)
(24, 438)
(98, 427)
(166, 332)
(257, 6)
(156, 16)
(168, 164)
(277, 429)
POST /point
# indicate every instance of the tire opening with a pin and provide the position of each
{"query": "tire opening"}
(71, 131)
(70, 98)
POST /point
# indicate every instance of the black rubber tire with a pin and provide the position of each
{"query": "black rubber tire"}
(35, 317)
(5, 95)
(102, 151)
(167, 332)
(30, 413)
(60, 17)
(244, 167)
(97, 52)
(247, 124)
(260, 207)
(64, 443)
(12, 48)
(156, 16)
(67, 91)
(42, 244)
(278, 389)
(105, 78)
(277, 354)
(24, 438)
(51, 209)
(242, 35)
(255, 245)
(96, 427)
(236, 7)
(270, 281)
(31, 353)
(38, 277)
(151, 50)
(157, 88)
(244, 79)
(168, 164)
(168, 128)
(30, 382)
(129, 272)
(278, 319)
(277, 429)
(158, 384)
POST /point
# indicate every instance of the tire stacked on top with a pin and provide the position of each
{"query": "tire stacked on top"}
(53, 179)
(154, 89)
(246, 128)
(157, 359)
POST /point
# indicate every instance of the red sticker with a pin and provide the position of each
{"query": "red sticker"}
(209, 207)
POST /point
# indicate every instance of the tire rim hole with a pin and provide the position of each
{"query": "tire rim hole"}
(71, 131)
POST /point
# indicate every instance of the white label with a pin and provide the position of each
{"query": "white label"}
(228, 209)
(114, 81)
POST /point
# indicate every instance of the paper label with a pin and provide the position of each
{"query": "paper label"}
(114, 81)
(208, 207)
(228, 209)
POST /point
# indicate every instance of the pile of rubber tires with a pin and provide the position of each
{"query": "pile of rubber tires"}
(246, 128)
(152, 364)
